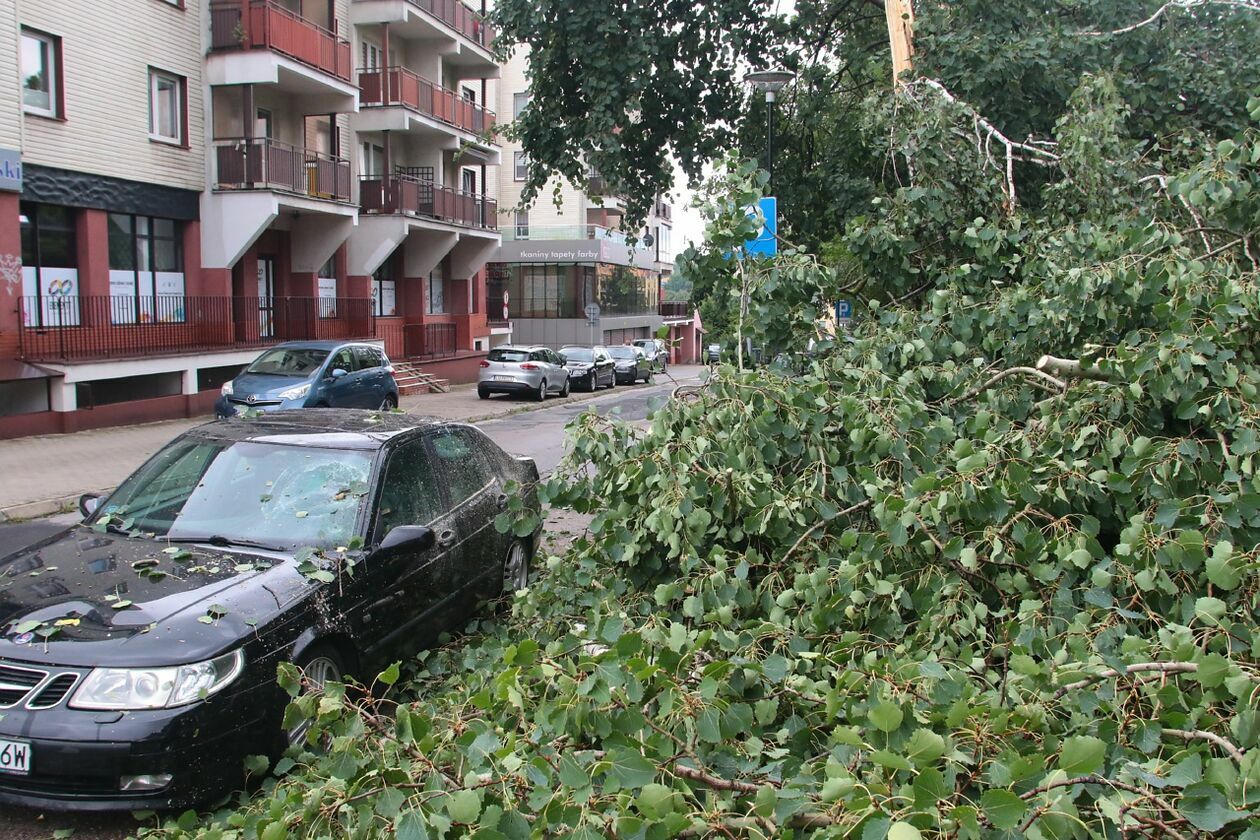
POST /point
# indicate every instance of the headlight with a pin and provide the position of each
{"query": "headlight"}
(296, 393)
(226, 390)
(129, 689)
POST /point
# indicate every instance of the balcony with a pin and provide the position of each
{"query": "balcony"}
(98, 327)
(677, 309)
(537, 233)
(451, 14)
(664, 211)
(398, 86)
(412, 196)
(263, 163)
(266, 25)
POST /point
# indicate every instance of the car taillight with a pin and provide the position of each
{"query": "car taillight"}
(529, 366)
(484, 363)
(390, 370)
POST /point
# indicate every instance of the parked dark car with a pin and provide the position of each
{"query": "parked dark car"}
(632, 365)
(321, 374)
(139, 650)
(589, 367)
(656, 350)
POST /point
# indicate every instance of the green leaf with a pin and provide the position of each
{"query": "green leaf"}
(886, 716)
(1003, 808)
(903, 831)
(410, 825)
(1205, 807)
(1081, 755)
(390, 675)
(464, 806)
(630, 769)
(925, 747)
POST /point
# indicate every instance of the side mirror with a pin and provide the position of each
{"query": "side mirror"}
(404, 539)
(88, 503)
(339, 372)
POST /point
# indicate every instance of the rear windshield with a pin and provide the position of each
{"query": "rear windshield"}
(502, 355)
(577, 354)
(289, 361)
(622, 352)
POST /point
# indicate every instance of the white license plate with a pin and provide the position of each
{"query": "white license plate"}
(15, 757)
(504, 378)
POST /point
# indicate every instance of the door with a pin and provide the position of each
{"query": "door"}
(342, 391)
(474, 497)
(558, 374)
(402, 598)
(266, 297)
(372, 375)
(605, 367)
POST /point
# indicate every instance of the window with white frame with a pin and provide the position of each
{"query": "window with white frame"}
(41, 88)
(520, 163)
(522, 224)
(519, 101)
(435, 293)
(371, 55)
(166, 107)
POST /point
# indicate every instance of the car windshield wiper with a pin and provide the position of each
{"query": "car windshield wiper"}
(227, 542)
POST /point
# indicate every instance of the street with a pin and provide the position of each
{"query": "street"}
(521, 428)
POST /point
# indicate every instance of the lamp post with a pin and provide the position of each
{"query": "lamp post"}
(769, 82)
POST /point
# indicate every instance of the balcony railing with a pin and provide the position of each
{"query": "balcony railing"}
(90, 327)
(458, 16)
(664, 211)
(270, 26)
(676, 309)
(418, 197)
(429, 341)
(262, 163)
(399, 86)
(553, 232)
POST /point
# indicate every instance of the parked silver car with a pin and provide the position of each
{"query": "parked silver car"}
(536, 371)
(656, 350)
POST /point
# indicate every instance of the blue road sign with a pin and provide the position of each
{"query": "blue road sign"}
(767, 243)
(844, 310)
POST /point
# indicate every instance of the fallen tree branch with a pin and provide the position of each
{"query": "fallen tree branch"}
(1136, 668)
(1202, 735)
(1058, 384)
(713, 781)
(1248, 5)
(1072, 369)
(820, 523)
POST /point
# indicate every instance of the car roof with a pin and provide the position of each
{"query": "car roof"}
(524, 347)
(321, 345)
(339, 428)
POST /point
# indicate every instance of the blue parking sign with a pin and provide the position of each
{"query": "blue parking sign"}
(844, 310)
(767, 242)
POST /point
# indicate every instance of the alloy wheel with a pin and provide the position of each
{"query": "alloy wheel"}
(516, 568)
(315, 675)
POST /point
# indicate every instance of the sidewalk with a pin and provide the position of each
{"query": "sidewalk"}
(46, 474)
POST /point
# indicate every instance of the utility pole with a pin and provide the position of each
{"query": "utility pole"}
(900, 15)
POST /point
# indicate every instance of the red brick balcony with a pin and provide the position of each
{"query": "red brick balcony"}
(263, 163)
(398, 86)
(413, 196)
(96, 327)
(266, 25)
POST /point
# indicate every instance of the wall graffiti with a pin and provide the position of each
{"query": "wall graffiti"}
(10, 272)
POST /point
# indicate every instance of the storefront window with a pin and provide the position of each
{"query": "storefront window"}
(435, 293)
(551, 290)
(146, 270)
(50, 276)
(326, 288)
(384, 291)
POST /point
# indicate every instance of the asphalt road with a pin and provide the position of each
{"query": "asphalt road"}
(537, 433)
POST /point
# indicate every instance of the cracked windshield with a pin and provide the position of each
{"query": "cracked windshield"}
(529, 419)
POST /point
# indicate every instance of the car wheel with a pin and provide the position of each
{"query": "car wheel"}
(542, 391)
(564, 392)
(389, 403)
(516, 568)
(647, 380)
(320, 665)
(483, 394)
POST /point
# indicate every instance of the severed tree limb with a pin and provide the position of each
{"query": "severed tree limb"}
(1212, 737)
(713, 781)
(1071, 369)
(1058, 386)
(1136, 668)
(1249, 5)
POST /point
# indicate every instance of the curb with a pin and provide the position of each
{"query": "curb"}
(36, 510)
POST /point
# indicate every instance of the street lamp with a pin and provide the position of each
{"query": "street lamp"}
(770, 82)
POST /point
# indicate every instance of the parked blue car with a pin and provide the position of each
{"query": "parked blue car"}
(309, 374)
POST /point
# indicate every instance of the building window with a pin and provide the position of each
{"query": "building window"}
(166, 107)
(146, 270)
(370, 55)
(663, 252)
(521, 165)
(326, 288)
(522, 224)
(384, 291)
(468, 179)
(179, 4)
(50, 276)
(41, 74)
(519, 101)
(435, 293)
(373, 159)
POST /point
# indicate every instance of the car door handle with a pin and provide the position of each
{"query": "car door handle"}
(446, 538)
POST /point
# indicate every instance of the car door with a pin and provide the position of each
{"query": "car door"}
(476, 497)
(407, 596)
(560, 373)
(340, 391)
(604, 367)
(371, 369)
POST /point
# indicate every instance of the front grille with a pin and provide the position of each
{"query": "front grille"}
(53, 692)
(61, 787)
(16, 683)
(247, 403)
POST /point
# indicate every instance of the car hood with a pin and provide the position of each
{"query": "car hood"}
(578, 365)
(74, 581)
(259, 384)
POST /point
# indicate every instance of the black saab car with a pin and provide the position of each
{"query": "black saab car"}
(138, 661)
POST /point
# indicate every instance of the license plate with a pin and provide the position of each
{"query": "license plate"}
(503, 379)
(15, 757)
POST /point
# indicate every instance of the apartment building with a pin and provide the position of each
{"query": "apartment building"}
(557, 258)
(185, 182)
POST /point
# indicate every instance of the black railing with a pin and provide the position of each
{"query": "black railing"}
(128, 326)
(429, 341)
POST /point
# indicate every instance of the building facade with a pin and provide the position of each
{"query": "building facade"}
(184, 182)
(563, 259)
